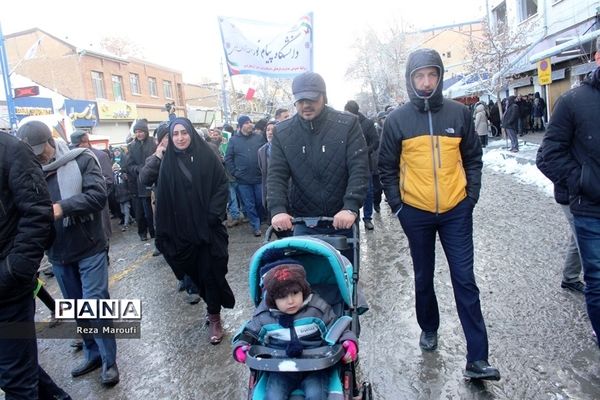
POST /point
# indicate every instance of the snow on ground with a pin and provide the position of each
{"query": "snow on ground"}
(520, 165)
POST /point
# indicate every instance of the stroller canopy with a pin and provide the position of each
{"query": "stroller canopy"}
(322, 262)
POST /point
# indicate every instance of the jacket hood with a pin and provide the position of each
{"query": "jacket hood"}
(420, 59)
(480, 107)
(593, 78)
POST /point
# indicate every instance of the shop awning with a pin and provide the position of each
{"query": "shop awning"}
(555, 50)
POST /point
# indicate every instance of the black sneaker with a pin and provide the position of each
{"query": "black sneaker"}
(577, 286)
(369, 225)
(428, 341)
(481, 370)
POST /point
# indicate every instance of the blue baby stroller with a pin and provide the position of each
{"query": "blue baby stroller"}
(335, 279)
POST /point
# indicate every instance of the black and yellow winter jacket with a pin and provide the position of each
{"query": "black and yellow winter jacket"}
(430, 155)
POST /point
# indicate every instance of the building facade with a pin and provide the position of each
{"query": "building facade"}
(121, 89)
(550, 24)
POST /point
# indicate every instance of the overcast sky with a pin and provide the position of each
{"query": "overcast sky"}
(185, 35)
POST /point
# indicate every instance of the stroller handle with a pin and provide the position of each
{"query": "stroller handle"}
(311, 222)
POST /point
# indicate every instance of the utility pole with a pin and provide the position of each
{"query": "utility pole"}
(12, 115)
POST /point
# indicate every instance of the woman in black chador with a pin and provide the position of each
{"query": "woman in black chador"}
(192, 193)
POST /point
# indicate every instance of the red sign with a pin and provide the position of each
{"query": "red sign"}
(27, 91)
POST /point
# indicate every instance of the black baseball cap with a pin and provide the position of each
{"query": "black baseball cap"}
(36, 134)
(76, 137)
(308, 86)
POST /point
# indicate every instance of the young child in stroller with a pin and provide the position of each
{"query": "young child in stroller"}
(292, 318)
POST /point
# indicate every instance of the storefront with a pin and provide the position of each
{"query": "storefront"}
(115, 119)
(83, 113)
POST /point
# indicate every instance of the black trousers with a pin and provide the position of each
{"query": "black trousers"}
(21, 377)
(144, 215)
(208, 274)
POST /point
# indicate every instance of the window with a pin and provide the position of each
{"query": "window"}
(499, 20)
(168, 89)
(98, 84)
(527, 8)
(117, 85)
(152, 87)
(134, 83)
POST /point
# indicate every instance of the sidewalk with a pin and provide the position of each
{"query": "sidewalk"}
(528, 146)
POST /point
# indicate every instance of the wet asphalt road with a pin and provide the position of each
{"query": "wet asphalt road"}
(540, 337)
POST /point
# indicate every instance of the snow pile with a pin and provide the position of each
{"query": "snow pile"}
(505, 162)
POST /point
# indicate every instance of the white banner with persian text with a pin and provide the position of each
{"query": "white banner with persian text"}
(267, 48)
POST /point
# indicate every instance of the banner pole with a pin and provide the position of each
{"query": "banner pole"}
(12, 115)
(312, 41)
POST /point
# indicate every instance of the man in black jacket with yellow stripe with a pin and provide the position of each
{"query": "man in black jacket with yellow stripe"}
(430, 167)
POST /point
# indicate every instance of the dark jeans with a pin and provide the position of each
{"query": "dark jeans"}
(144, 215)
(88, 279)
(377, 190)
(514, 140)
(588, 238)
(189, 285)
(455, 229)
(313, 384)
(368, 204)
(252, 200)
(232, 204)
(21, 377)
(484, 140)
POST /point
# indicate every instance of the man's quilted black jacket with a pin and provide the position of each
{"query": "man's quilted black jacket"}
(327, 161)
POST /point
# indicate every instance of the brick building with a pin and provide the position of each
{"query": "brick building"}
(121, 89)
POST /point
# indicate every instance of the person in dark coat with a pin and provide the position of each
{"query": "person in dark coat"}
(495, 117)
(81, 139)
(78, 254)
(372, 139)
(149, 177)
(571, 154)
(572, 267)
(539, 110)
(241, 161)
(264, 157)
(25, 231)
(433, 193)
(191, 198)
(139, 150)
(324, 154)
(510, 123)
(525, 105)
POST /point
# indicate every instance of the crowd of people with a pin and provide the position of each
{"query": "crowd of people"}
(186, 188)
